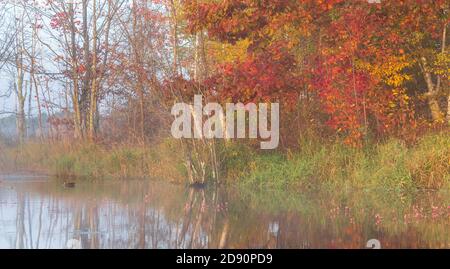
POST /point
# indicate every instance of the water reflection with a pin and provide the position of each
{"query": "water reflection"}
(141, 214)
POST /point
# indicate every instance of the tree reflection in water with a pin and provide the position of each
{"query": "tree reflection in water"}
(144, 214)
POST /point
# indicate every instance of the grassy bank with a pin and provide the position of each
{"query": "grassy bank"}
(391, 165)
(87, 161)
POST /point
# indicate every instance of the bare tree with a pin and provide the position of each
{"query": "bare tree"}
(20, 66)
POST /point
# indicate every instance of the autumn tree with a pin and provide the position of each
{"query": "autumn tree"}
(418, 30)
(82, 31)
(355, 57)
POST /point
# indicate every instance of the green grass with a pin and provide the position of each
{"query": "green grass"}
(391, 165)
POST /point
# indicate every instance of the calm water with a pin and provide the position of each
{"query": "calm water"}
(42, 213)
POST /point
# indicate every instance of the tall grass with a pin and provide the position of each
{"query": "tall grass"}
(87, 160)
(391, 165)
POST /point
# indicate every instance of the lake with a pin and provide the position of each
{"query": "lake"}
(38, 212)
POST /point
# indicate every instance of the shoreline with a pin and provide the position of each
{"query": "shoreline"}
(391, 165)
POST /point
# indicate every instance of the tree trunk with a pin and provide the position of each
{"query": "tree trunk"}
(435, 109)
(174, 37)
(444, 47)
(85, 93)
(137, 48)
(93, 102)
(21, 120)
(75, 89)
(38, 103)
(33, 76)
(21, 97)
(432, 93)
